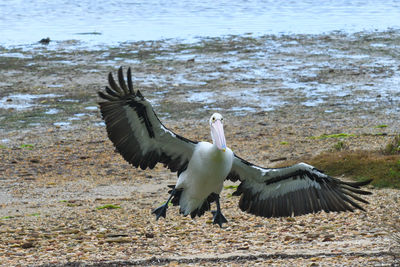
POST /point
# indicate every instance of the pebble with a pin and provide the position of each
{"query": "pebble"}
(27, 245)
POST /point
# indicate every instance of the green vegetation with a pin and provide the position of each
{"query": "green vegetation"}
(381, 166)
(339, 146)
(27, 146)
(35, 214)
(108, 206)
(381, 126)
(6, 217)
(284, 143)
(362, 165)
(340, 135)
(393, 147)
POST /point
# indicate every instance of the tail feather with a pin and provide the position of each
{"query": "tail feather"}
(194, 207)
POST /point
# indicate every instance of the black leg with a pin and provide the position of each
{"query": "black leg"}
(162, 210)
(218, 217)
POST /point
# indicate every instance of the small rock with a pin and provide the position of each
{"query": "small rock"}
(102, 230)
(116, 235)
(287, 238)
(28, 245)
(149, 235)
(45, 41)
(312, 236)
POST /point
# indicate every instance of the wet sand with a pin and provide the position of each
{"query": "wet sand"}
(276, 92)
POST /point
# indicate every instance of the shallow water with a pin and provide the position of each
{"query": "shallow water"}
(22, 101)
(114, 21)
(240, 75)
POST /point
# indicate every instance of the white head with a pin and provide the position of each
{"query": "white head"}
(217, 131)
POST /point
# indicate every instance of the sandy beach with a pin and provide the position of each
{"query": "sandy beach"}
(68, 199)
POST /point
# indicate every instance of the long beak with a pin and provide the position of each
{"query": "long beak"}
(217, 131)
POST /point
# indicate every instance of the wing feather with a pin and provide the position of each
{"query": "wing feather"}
(292, 191)
(122, 83)
(113, 85)
(130, 84)
(136, 131)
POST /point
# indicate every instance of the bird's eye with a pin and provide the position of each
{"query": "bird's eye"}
(222, 119)
(213, 119)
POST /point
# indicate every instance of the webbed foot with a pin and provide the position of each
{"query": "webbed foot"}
(218, 218)
(161, 211)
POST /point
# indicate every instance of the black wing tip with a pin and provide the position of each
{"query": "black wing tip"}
(122, 89)
(101, 95)
(341, 197)
(105, 96)
(139, 94)
(121, 81)
(355, 186)
(362, 183)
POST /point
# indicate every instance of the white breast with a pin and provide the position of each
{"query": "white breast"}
(204, 175)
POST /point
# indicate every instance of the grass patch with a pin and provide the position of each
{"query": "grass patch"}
(361, 165)
(358, 165)
(108, 206)
(381, 126)
(339, 135)
(35, 214)
(283, 143)
(6, 217)
(27, 146)
(339, 146)
(393, 147)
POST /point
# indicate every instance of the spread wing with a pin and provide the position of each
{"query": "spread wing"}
(292, 191)
(136, 131)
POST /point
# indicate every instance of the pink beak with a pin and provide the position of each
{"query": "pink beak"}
(217, 131)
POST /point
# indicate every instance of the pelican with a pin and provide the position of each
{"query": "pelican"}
(202, 167)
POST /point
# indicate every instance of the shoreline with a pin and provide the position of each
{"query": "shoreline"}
(334, 76)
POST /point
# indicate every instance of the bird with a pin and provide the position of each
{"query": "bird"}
(202, 167)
